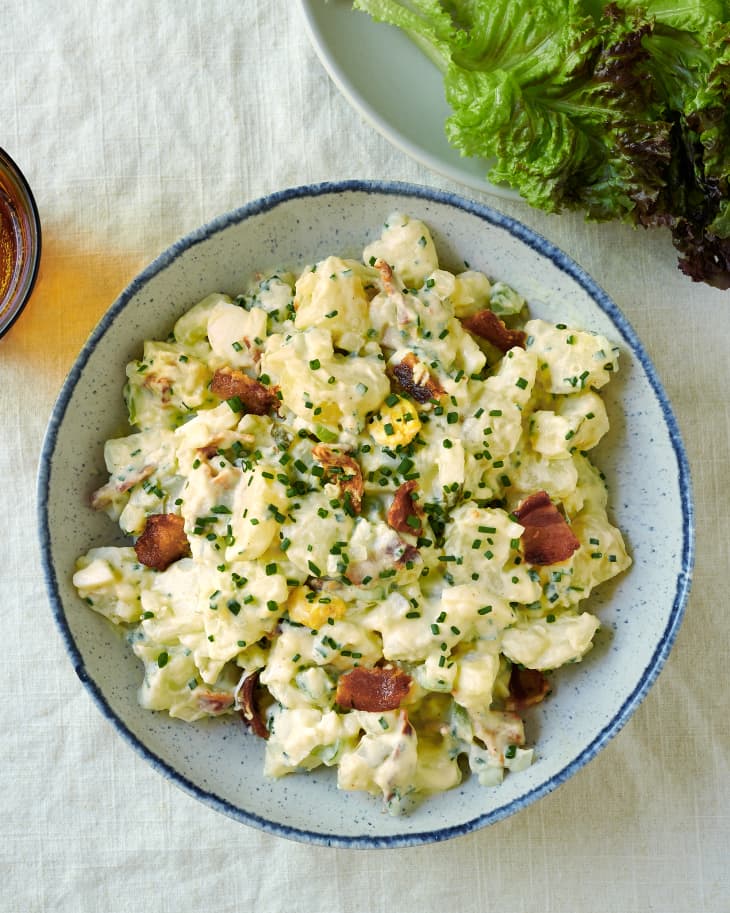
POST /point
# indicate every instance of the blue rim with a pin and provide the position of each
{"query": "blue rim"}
(570, 268)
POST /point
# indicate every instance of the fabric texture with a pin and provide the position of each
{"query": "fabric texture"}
(134, 123)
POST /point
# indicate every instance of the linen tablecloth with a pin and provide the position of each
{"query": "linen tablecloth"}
(134, 123)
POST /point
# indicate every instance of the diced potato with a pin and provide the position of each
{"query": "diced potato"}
(111, 581)
(570, 360)
(407, 246)
(236, 335)
(331, 296)
(545, 645)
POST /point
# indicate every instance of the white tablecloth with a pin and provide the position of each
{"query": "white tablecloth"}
(134, 123)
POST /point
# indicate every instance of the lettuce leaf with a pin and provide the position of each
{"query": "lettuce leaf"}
(620, 109)
(683, 15)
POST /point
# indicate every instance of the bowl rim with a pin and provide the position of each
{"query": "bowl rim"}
(559, 258)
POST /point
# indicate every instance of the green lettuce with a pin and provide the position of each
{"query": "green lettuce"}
(620, 109)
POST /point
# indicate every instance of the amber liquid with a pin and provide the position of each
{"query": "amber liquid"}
(8, 245)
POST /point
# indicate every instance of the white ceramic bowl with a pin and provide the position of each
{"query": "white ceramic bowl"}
(644, 462)
(365, 59)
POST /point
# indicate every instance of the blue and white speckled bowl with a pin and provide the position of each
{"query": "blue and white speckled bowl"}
(644, 462)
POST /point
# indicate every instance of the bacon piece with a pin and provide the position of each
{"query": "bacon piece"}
(104, 496)
(162, 541)
(160, 385)
(317, 584)
(388, 553)
(218, 443)
(423, 390)
(487, 325)
(255, 397)
(210, 450)
(372, 690)
(527, 687)
(386, 276)
(250, 711)
(215, 702)
(404, 508)
(547, 538)
(345, 471)
(498, 729)
(408, 556)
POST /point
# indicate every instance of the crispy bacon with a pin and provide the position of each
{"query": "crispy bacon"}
(255, 397)
(487, 325)
(162, 541)
(210, 450)
(386, 276)
(372, 690)
(345, 471)
(527, 687)
(317, 584)
(390, 553)
(217, 443)
(409, 555)
(422, 391)
(498, 729)
(160, 385)
(250, 711)
(104, 496)
(547, 538)
(215, 702)
(405, 508)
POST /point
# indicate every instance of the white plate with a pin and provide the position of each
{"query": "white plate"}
(645, 464)
(394, 87)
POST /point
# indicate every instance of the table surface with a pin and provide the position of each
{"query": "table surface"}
(134, 124)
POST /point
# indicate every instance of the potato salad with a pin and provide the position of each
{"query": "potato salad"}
(362, 516)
